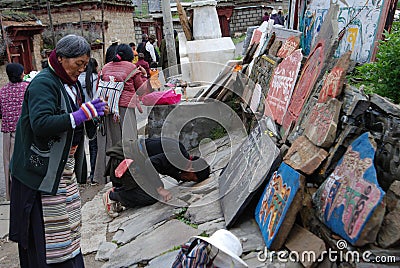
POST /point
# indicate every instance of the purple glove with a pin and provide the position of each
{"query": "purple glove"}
(89, 110)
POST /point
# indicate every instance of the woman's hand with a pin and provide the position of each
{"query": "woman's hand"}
(165, 194)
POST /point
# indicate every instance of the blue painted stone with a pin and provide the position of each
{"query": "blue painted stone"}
(275, 206)
(348, 198)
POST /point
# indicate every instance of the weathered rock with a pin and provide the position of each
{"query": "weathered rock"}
(246, 171)
(322, 123)
(304, 156)
(301, 240)
(205, 209)
(105, 250)
(152, 244)
(384, 114)
(165, 260)
(131, 228)
(350, 201)
(313, 68)
(273, 50)
(249, 234)
(94, 224)
(389, 234)
(212, 226)
(281, 86)
(333, 82)
(290, 45)
(393, 196)
(278, 206)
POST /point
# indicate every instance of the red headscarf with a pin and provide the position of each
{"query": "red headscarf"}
(59, 70)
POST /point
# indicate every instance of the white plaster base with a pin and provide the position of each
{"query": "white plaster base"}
(208, 57)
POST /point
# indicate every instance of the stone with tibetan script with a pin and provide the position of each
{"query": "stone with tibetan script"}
(304, 156)
(273, 50)
(290, 45)
(256, 37)
(313, 69)
(333, 81)
(281, 86)
(309, 74)
(350, 201)
(279, 204)
(321, 125)
(246, 171)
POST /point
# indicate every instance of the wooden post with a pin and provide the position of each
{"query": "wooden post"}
(102, 30)
(51, 24)
(80, 20)
(169, 38)
(4, 34)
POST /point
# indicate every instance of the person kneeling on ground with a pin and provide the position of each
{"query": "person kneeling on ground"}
(147, 159)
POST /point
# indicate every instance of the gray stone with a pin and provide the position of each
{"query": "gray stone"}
(205, 209)
(94, 224)
(249, 234)
(393, 196)
(389, 234)
(164, 260)
(301, 240)
(212, 226)
(131, 228)
(105, 250)
(246, 171)
(152, 244)
(4, 219)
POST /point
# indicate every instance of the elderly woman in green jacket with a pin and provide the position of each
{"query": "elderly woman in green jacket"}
(45, 216)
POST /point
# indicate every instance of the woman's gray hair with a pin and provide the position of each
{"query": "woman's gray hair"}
(72, 46)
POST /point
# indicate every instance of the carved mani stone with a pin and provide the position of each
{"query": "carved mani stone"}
(350, 201)
(304, 156)
(322, 123)
(278, 206)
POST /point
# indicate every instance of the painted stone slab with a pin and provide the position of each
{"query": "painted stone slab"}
(304, 156)
(273, 50)
(290, 45)
(361, 19)
(256, 37)
(281, 86)
(246, 171)
(255, 99)
(333, 82)
(311, 70)
(281, 200)
(322, 123)
(350, 198)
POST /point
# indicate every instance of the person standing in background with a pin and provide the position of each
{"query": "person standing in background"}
(11, 97)
(141, 48)
(150, 51)
(135, 53)
(111, 130)
(88, 80)
(110, 53)
(142, 63)
(265, 17)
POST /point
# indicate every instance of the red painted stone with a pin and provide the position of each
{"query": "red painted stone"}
(333, 82)
(308, 77)
(322, 123)
(281, 86)
(290, 45)
(256, 37)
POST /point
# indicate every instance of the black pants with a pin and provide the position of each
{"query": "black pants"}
(135, 197)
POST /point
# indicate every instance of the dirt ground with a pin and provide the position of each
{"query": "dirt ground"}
(9, 250)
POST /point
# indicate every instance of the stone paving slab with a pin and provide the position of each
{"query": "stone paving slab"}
(4, 219)
(94, 224)
(164, 260)
(152, 244)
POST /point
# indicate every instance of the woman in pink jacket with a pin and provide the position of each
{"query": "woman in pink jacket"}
(110, 131)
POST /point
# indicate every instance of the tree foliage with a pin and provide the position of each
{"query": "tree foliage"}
(383, 76)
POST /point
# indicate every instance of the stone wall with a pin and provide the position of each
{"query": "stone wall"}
(244, 17)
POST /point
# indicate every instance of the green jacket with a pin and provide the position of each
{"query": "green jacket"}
(44, 134)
